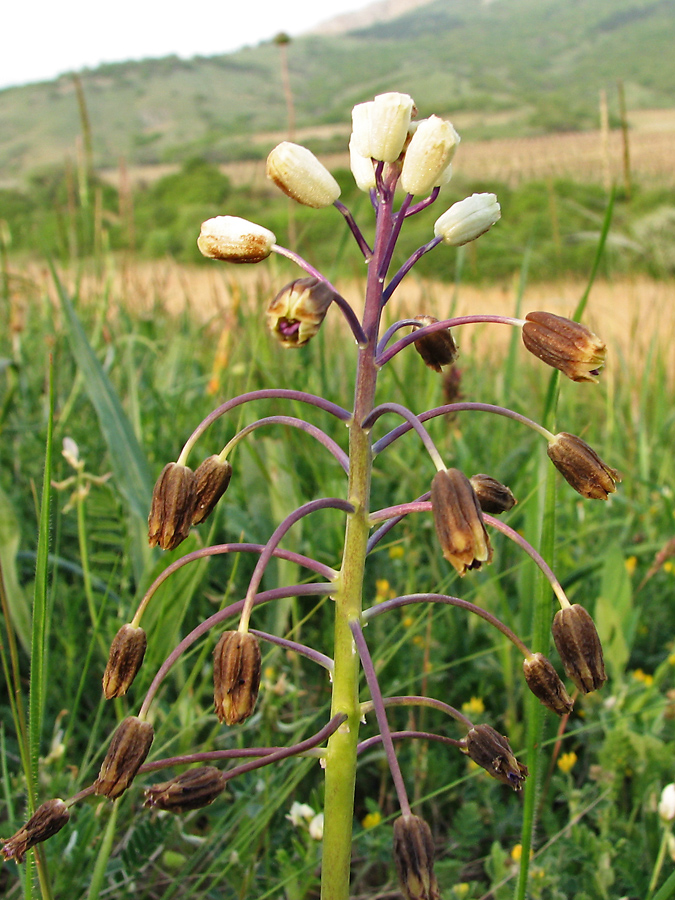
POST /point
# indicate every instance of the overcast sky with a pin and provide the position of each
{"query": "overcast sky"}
(44, 38)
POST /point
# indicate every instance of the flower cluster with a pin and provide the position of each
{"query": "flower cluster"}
(395, 158)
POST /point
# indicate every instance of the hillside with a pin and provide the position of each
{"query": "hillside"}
(525, 66)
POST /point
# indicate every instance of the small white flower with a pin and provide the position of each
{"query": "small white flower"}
(300, 814)
(235, 240)
(428, 155)
(300, 175)
(361, 114)
(667, 803)
(380, 127)
(71, 453)
(362, 168)
(468, 219)
(316, 827)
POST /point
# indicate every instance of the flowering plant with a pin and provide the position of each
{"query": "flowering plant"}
(387, 149)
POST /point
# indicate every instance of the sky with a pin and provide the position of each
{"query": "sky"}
(44, 38)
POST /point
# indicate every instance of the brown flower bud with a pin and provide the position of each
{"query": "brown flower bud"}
(173, 504)
(414, 858)
(126, 655)
(45, 822)
(236, 676)
(579, 647)
(581, 467)
(565, 345)
(491, 750)
(212, 478)
(296, 313)
(129, 746)
(438, 349)
(459, 521)
(493, 496)
(544, 682)
(190, 790)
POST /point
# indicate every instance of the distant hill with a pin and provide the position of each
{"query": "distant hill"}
(520, 67)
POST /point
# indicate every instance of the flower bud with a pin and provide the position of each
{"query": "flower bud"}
(211, 480)
(414, 858)
(565, 345)
(491, 750)
(459, 521)
(300, 175)
(172, 508)
(236, 676)
(129, 746)
(581, 467)
(193, 789)
(45, 822)
(667, 803)
(380, 127)
(493, 496)
(362, 168)
(468, 219)
(428, 156)
(544, 682)
(579, 647)
(296, 313)
(235, 240)
(437, 349)
(126, 656)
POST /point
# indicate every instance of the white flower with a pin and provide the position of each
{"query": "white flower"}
(316, 827)
(428, 155)
(299, 174)
(380, 127)
(235, 240)
(362, 168)
(667, 803)
(468, 219)
(300, 814)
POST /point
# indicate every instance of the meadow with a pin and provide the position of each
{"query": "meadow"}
(123, 356)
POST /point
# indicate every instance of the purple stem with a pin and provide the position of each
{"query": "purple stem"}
(407, 266)
(355, 230)
(338, 299)
(386, 337)
(414, 422)
(399, 735)
(406, 599)
(302, 649)
(380, 712)
(307, 427)
(423, 701)
(393, 237)
(383, 530)
(442, 325)
(296, 590)
(388, 439)
(418, 207)
(281, 529)
(400, 510)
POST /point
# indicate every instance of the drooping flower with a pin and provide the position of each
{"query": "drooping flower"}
(467, 219)
(565, 345)
(301, 176)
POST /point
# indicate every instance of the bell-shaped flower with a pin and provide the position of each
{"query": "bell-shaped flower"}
(429, 153)
(235, 240)
(362, 168)
(468, 219)
(300, 175)
(380, 127)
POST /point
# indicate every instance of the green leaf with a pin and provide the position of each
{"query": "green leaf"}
(9, 544)
(615, 617)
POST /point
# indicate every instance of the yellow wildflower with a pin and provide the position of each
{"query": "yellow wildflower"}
(408, 622)
(461, 890)
(630, 564)
(669, 566)
(473, 707)
(644, 677)
(418, 640)
(382, 590)
(567, 761)
(372, 819)
(396, 552)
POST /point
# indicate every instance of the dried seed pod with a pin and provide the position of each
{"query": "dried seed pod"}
(581, 467)
(128, 749)
(212, 478)
(492, 751)
(126, 656)
(295, 315)
(173, 504)
(437, 349)
(544, 682)
(193, 789)
(45, 822)
(565, 345)
(459, 521)
(414, 858)
(579, 647)
(493, 496)
(236, 676)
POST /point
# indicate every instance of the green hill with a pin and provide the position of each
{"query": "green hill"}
(542, 60)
